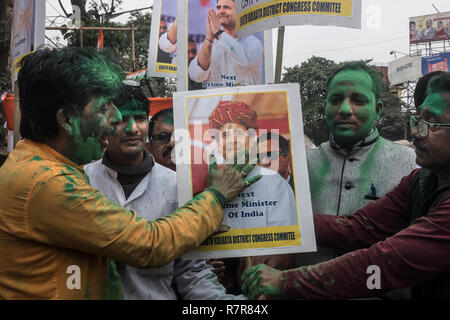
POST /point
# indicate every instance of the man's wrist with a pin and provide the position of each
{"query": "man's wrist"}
(217, 34)
(219, 196)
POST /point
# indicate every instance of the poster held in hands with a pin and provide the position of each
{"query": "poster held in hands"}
(272, 216)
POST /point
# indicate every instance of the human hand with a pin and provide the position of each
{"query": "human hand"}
(218, 268)
(230, 179)
(172, 33)
(261, 282)
(209, 34)
(213, 21)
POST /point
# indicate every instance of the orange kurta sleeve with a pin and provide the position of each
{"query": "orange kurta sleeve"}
(66, 211)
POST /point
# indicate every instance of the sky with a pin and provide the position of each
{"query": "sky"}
(385, 28)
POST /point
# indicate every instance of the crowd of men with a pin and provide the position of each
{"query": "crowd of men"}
(89, 206)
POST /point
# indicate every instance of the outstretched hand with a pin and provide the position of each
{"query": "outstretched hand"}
(261, 282)
(231, 179)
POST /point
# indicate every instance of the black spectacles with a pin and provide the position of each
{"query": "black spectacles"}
(162, 138)
(423, 126)
(265, 157)
(193, 51)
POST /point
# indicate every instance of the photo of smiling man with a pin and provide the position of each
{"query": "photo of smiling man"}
(223, 59)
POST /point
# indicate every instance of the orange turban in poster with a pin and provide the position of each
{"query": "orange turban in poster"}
(233, 112)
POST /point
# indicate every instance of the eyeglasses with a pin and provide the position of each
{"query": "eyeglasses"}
(162, 138)
(423, 126)
(193, 51)
(266, 157)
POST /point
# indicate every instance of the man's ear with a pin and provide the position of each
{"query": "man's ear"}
(379, 109)
(62, 118)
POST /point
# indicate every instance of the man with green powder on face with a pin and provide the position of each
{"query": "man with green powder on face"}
(131, 177)
(356, 166)
(58, 235)
(401, 240)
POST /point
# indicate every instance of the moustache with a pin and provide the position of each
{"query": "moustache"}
(167, 152)
(131, 138)
(419, 145)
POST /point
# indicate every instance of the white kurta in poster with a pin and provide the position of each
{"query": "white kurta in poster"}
(272, 216)
(215, 57)
(162, 54)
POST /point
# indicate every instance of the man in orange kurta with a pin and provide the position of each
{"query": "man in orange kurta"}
(58, 235)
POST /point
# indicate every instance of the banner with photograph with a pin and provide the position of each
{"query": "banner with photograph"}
(437, 62)
(404, 69)
(432, 27)
(162, 54)
(27, 30)
(273, 215)
(254, 16)
(215, 57)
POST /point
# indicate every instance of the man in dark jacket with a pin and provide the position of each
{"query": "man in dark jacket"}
(401, 240)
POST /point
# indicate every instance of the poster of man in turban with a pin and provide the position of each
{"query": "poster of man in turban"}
(253, 123)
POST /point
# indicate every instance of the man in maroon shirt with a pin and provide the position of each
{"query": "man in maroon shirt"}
(401, 240)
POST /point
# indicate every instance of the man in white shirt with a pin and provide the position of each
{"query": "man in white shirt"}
(223, 60)
(128, 175)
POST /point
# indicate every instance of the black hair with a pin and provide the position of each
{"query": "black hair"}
(360, 65)
(54, 79)
(129, 95)
(420, 92)
(163, 114)
(283, 143)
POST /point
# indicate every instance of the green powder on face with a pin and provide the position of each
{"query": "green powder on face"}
(88, 148)
(434, 103)
(130, 124)
(343, 86)
(168, 120)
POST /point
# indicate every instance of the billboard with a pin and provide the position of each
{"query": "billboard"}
(27, 30)
(404, 69)
(438, 62)
(273, 215)
(216, 57)
(432, 27)
(253, 16)
(162, 48)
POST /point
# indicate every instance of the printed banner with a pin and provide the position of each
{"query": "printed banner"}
(404, 69)
(272, 216)
(27, 31)
(432, 27)
(258, 15)
(215, 57)
(162, 55)
(438, 62)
